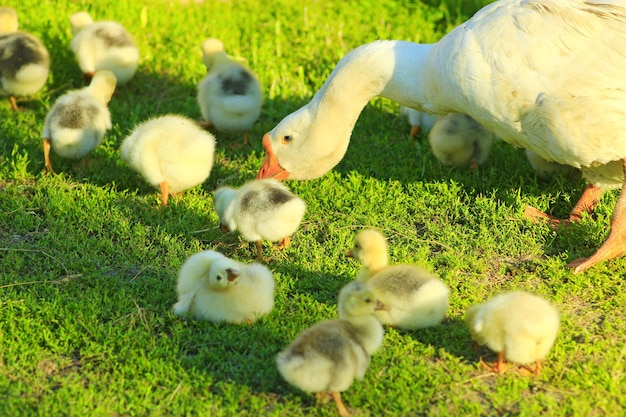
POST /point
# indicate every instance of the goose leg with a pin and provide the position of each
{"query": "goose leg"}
(343, 411)
(530, 369)
(259, 250)
(84, 163)
(13, 103)
(498, 366)
(537, 368)
(284, 243)
(586, 204)
(322, 397)
(165, 193)
(236, 145)
(615, 245)
(47, 143)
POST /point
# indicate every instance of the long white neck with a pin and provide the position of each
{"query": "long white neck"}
(320, 131)
(391, 69)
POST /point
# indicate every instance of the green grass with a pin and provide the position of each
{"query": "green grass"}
(88, 259)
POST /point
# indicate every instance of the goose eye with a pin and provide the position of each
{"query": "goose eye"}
(287, 139)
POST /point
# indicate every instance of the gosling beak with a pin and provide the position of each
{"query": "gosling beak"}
(224, 228)
(381, 306)
(232, 274)
(271, 168)
(349, 254)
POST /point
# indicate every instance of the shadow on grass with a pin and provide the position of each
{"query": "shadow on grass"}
(244, 354)
(451, 335)
(395, 156)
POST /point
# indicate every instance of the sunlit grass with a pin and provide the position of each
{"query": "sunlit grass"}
(88, 260)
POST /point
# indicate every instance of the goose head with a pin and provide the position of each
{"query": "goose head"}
(80, 20)
(223, 274)
(212, 49)
(356, 299)
(222, 200)
(371, 249)
(8, 20)
(300, 148)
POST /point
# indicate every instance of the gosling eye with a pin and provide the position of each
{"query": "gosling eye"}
(219, 277)
(368, 300)
(286, 139)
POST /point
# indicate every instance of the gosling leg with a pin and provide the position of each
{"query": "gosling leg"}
(165, 193)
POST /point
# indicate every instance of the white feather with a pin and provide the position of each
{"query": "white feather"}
(78, 120)
(230, 94)
(103, 45)
(521, 325)
(414, 297)
(527, 70)
(256, 214)
(170, 148)
(205, 291)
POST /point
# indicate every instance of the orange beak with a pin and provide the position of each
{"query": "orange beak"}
(271, 168)
(231, 274)
(381, 306)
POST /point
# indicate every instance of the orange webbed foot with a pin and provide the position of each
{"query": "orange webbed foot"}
(536, 215)
(283, 244)
(341, 408)
(13, 103)
(165, 193)
(530, 370)
(498, 367)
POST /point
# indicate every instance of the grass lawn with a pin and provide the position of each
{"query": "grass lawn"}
(88, 259)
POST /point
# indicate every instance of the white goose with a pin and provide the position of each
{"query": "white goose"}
(527, 70)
